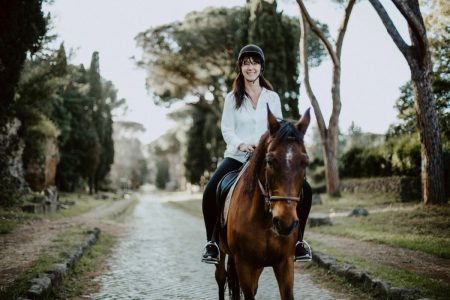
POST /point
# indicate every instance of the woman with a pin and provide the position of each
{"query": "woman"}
(244, 120)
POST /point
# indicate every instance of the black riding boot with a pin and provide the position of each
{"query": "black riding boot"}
(303, 251)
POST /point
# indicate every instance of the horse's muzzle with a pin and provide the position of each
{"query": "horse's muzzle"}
(282, 228)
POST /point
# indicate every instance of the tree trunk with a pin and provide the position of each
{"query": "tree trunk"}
(331, 168)
(328, 136)
(418, 57)
(432, 173)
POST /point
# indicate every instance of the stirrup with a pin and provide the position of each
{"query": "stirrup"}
(308, 256)
(209, 259)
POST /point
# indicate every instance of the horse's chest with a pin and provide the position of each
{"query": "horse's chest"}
(263, 247)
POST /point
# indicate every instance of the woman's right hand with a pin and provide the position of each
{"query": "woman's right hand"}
(246, 147)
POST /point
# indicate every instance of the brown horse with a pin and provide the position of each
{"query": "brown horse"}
(262, 221)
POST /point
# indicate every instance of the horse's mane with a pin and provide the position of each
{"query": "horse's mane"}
(286, 132)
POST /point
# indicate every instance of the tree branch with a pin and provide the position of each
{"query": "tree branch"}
(415, 25)
(410, 17)
(304, 29)
(343, 27)
(317, 31)
(391, 29)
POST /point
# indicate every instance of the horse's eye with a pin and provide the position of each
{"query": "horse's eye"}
(269, 161)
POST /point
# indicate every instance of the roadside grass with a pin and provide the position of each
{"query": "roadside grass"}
(429, 287)
(80, 280)
(341, 288)
(9, 219)
(62, 245)
(348, 201)
(83, 204)
(418, 227)
(121, 216)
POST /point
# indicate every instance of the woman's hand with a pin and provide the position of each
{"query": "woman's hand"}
(246, 147)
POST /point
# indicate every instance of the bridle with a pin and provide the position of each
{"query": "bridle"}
(268, 198)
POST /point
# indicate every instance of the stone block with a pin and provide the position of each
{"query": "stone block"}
(316, 220)
(316, 199)
(380, 288)
(396, 293)
(358, 212)
(39, 286)
(354, 275)
(323, 261)
(33, 208)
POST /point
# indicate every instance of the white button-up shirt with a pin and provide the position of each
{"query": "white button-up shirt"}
(247, 124)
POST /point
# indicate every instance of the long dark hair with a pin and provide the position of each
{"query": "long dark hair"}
(239, 84)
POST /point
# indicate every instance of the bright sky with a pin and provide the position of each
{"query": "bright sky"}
(372, 67)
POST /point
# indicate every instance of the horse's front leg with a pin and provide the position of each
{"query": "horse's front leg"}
(248, 277)
(284, 272)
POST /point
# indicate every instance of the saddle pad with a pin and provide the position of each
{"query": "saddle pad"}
(225, 180)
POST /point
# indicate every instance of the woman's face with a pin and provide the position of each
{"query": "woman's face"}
(250, 68)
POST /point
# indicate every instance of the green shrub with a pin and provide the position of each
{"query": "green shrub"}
(400, 156)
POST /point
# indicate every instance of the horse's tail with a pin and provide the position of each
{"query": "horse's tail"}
(232, 280)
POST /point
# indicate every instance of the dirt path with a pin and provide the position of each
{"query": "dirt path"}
(410, 260)
(22, 247)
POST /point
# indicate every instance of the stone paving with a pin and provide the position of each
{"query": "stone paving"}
(160, 259)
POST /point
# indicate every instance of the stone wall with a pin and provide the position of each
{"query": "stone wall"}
(401, 187)
(12, 180)
(40, 171)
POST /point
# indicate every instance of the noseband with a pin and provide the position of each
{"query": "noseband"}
(268, 198)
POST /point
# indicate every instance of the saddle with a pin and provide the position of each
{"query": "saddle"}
(224, 191)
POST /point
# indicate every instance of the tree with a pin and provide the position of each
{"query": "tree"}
(43, 76)
(22, 27)
(418, 58)
(16, 39)
(130, 165)
(162, 173)
(104, 124)
(103, 97)
(198, 157)
(329, 136)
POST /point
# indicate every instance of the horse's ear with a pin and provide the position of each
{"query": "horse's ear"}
(272, 122)
(302, 125)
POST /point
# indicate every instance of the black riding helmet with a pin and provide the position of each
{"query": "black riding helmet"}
(251, 49)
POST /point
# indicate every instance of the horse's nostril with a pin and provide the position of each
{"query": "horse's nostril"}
(277, 223)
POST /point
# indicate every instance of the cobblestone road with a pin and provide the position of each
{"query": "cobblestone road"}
(160, 259)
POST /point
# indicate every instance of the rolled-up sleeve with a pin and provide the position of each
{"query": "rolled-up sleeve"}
(228, 123)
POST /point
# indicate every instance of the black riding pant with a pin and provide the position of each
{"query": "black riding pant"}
(209, 204)
(211, 209)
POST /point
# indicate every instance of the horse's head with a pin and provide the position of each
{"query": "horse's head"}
(284, 171)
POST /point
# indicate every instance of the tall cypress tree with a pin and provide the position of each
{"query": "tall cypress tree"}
(198, 156)
(103, 95)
